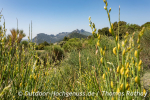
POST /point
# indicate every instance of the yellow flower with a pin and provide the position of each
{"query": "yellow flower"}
(127, 85)
(139, 68)
(122, 71)
(30, 76)
(90, 25)
(108, 69)
(138, 46)
(118, 90)
(127, 64)
(136, 79)
(140, 62)
(99, 37)
(98, 43)
(127, 71)
(138, 40)
(110, 10)
(111, 84)
(20, 84)
(101, 60)
(135, 53)
(144, 92)
(118, 46)
(103, 76)
(121, 86)
(93, 32)
(123, 44)
(106, 4)
(123, 53)
(103, 52)
(110, 30)
(105, 8)
(89, 17)
(114, 50)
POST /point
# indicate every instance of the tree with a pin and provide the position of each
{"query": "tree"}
(66, 38)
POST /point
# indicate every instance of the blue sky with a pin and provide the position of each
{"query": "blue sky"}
(55, 16)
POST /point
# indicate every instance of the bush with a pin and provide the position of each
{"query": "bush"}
(55, 51)
(41, 47)
(25, 43)
(58, 52)
(72, 44)
(62, 43)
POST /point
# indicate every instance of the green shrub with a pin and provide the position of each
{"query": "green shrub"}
(72, 44)
(62, 43)
(25, 43)
(58, 52)
(41, 47)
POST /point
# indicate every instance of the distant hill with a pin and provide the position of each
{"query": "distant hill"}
(83, 32)
(76, 35)
(41, 37)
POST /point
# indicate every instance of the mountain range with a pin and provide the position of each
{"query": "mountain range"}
(41, 37)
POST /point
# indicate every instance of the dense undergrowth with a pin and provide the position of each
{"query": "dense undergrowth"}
(99, 63)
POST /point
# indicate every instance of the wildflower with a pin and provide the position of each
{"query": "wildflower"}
(136, 79)
(103, 76)
(98, 43)
(116, 37)
(123, 44)
(93, 32)
(110, 10)
(121, 86)
(101, 60)
(139, 68)
(118, 69)
(118, 46)
(99, 37)
(127, 64)
(111, 84)
(144, 92)
(140, 62)
(89, 17)
(138, 46)
(20, 84)
(104, 7)
(114, 50)
(30, 76)
(123, 53)
(103, 52)
(118, 90)
(108, 69)
(122, 71)
(106, 4)
(90, 25)
(127, 85)
(110, 30)
(127, 71)
(135, 53)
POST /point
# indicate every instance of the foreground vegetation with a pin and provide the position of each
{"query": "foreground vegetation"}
(99, 63)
